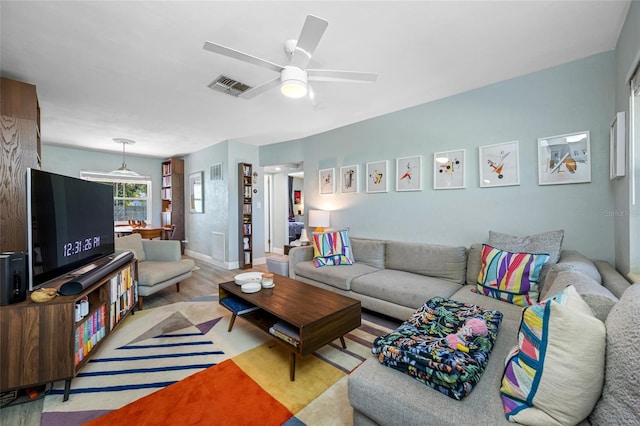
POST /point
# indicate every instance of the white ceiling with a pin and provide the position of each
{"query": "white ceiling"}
(137, 70)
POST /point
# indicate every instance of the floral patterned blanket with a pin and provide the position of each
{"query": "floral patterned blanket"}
(419, 347)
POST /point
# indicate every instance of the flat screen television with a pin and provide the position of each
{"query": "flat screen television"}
(70, 225)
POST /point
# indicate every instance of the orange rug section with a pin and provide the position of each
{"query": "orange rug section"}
(220, 395)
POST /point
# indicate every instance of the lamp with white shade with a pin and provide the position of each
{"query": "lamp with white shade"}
(319, 219)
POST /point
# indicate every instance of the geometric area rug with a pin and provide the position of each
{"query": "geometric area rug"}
(178, 365)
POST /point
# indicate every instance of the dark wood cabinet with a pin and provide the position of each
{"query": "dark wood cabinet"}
(245, 215)
(42, 342)
(20, 127)
(173, 196)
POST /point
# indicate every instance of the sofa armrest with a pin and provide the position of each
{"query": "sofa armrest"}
(297, 255)
(162, 250)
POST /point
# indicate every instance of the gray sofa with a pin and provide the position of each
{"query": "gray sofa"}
(160, 263)
(396, 278)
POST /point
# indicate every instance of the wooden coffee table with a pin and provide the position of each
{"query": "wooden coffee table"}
(317, 316)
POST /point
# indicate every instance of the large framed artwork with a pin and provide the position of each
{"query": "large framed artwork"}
(499, 164)
(409, 173)
(617, 157)
(327, 179)
(349, 179)
(448, 169)
(377, 176)
(564, 159)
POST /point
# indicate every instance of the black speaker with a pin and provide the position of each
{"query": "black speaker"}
(13, 277)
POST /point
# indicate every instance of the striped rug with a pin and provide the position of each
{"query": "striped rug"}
(158, 347)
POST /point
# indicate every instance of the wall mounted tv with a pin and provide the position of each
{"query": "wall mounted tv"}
(70, 225)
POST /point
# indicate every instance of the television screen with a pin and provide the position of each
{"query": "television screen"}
(70, 224)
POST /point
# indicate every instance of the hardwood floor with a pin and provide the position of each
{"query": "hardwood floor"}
(203, 282)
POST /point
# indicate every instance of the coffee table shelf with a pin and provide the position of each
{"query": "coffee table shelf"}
(297, 305)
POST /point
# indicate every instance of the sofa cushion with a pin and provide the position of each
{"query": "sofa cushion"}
(336, 276)
(131, 242)
(469, 294)
(599, 299)
(428, 259)
(368, 251)
(581, 263)
(547, 242)
(510, 277)
(402, 288)
(621, 392)
(331, 248)
(612, 280)
(474, 263)
(555, 376)
(151, 273)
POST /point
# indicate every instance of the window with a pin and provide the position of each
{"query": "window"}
(131, 195)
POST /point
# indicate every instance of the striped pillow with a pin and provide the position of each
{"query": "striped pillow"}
(332, 248)
(510, 277)
(555, 374)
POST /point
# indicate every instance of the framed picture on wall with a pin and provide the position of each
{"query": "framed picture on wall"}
(377, 176)
(564, 159)
(409, 173)
(327, 181)
(448, 169)
(297, 197)
(349, 179)
(499, 164)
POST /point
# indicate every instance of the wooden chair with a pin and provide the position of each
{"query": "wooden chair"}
(149, 233)
(168, 231)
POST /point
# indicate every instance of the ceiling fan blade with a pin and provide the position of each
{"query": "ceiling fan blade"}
(255, 91)
(308, 40)
(340, 76)
(245, 57)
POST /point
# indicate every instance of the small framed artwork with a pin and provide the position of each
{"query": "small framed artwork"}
(617, 146)
(377, 176)
(349, 179)
(409, 173)
(499, 164)
(564, 159)
(297, 197)
(448, 169)
(327, 181)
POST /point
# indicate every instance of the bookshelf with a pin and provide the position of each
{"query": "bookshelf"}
(172, 195)
(245, 215)
(46, 342)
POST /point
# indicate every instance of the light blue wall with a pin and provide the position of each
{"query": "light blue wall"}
(71, 161)
(627, 217)
(216, 218)
(569, 98)
(221, 202)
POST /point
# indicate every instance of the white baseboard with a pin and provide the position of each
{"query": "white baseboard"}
(209, 260)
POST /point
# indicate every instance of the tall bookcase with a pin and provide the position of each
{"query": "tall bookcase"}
(245, 215)
(20, 128)
(173, 195)
(45, 342)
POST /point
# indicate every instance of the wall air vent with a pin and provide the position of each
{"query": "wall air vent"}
(228, 85)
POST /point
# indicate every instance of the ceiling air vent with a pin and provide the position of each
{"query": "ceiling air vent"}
(228, 85)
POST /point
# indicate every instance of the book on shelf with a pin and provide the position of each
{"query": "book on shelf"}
(285, 332)
(237, 305)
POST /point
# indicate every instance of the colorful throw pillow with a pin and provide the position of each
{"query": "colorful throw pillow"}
(332, 248)
(510, 277)
(556, 374)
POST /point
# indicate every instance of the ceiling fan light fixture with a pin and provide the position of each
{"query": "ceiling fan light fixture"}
(294, 82)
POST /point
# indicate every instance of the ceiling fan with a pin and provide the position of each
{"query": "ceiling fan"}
(294, 77)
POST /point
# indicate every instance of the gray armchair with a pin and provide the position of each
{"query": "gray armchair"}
(160, 263)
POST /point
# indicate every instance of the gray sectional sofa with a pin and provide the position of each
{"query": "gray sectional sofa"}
(395, 278)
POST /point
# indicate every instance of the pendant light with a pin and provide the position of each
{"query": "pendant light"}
(123, 171)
